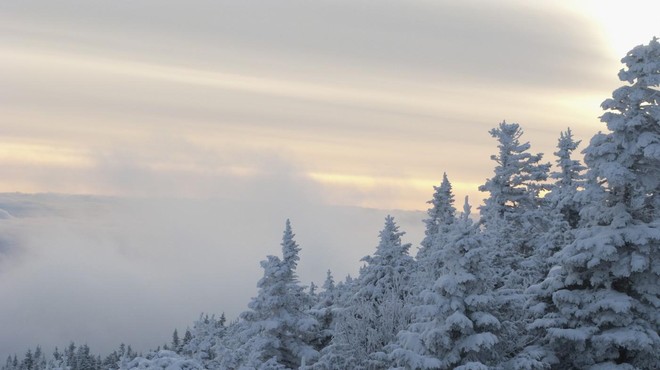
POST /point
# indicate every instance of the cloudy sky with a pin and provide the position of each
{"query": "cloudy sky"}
(367, 101)
(268, 108)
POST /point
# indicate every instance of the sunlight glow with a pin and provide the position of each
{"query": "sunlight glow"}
(374, 181)
(625, 24)
(42, 154)
(390, 192)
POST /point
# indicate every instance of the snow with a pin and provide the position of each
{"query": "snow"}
(165, 360)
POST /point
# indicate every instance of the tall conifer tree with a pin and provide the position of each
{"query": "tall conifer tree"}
(276, 330)
(604, 311)
(453, 328)
(440, 216)
(370, 317)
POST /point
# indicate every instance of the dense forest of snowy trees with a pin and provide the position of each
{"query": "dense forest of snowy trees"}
(560, 271)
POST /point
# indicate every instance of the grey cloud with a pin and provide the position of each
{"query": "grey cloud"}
(485, 42)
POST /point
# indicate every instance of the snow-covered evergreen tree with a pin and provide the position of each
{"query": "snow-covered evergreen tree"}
(518, 174)
(372, 316)
(176, 342)
(604, 311)
(206, 333)
(84, 358)
(39, 359)
(511, 211)
(569, 178)
(453, 328)
(323, 312)
(387, 272)
(162, 360)
(276, 330)
(440, 216)
(187, 338)
(57, 362)
(562, 204)
(514, 228)
(561, 208)
(290, 250)
(329, 283)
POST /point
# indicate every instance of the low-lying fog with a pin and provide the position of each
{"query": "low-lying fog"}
(102, 270)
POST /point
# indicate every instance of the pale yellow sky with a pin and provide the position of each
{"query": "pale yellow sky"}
(355, 103)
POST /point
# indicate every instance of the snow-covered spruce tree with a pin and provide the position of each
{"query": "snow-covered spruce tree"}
(275, 332)
(162, 360)
(440, 216)
(562, 204)
(322, 311)
(32, 360)
(206, 333)
(605, 296)
(562, 207)
(514, 225)
(369, 319)
(453, 328)
(84, 359)
(511, 212)
(569, 179)
(176, 342)
(290, 250)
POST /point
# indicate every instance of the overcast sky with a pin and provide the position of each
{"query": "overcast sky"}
(299, 104)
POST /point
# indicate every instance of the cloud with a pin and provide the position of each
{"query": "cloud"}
(343, 88)
(511, 42)
(106, 270)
